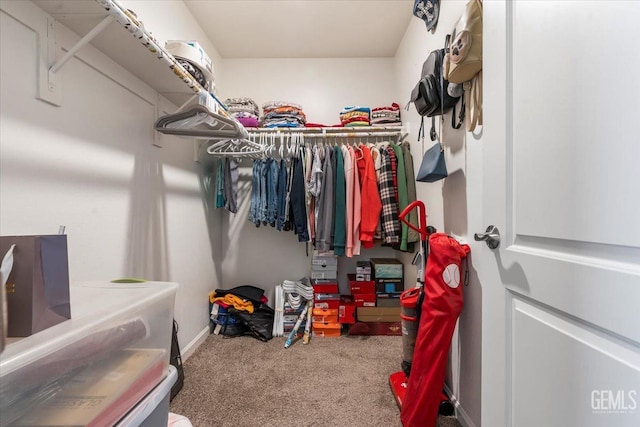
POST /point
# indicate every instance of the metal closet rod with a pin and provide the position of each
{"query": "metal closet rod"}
(329, 132)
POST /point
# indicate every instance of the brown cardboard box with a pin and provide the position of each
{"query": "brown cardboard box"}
(391, 299)
(378, 314)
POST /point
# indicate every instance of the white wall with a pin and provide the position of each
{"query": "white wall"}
(264, 256)
(454, 205)
(131, 209)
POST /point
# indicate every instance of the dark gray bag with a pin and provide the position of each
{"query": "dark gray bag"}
(433, 167)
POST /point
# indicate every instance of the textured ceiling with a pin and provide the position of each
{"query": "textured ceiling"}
(303, 28)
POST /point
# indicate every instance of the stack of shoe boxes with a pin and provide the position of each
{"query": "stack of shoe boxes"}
(388, 275)
(383, 317)
(326, 295)
(362, 287)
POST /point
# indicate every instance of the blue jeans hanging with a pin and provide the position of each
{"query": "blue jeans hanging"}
(255, 193)
(282, 195)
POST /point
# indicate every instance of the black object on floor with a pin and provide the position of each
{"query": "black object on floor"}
(176, 361)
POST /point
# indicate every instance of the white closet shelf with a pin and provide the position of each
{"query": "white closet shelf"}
(116, 42)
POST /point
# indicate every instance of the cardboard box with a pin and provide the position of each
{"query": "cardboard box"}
(391, 299)
(376, 328)
(363, 267)
(330, 274)
(326, 301)
(321, 329)
(324, 261)
(322, 315)
(389, 285)
(359, 287)
(364, 300)
(325, 286)
(387, 268)
(347, 310)
(315, 267)
(378, 314)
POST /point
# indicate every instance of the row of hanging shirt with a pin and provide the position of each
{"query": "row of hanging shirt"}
(340, 196)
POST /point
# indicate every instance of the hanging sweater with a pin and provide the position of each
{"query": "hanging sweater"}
(348, 177)
(370, 197)
(402, 193)
(340, 224)
(324, 226)
(412, 236)
(355, 249)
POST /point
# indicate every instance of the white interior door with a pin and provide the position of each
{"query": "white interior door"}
(561, 178)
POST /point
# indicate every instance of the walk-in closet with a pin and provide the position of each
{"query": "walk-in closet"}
(230, 200)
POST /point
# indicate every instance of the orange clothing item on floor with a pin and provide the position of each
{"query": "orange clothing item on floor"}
(235, 301)
(369, 197)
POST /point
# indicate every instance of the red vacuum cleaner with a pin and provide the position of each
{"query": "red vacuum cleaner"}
(434, 308)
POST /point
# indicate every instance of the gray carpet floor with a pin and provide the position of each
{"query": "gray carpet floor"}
(238, 382)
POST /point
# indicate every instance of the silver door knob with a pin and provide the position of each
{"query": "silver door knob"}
(491, 237)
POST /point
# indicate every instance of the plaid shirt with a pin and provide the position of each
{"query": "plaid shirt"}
(394, 169)
(389, 220)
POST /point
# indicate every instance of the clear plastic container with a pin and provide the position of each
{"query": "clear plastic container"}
(118, 331)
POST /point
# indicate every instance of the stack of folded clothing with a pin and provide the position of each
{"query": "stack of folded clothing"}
(283, 114)
(386, 116)
(355, 116)
(245, 110)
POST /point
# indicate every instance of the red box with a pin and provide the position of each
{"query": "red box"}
(364, 300)
(361, 287)
(325, 287)
(347, 311)
(326, 301)
(376, 328)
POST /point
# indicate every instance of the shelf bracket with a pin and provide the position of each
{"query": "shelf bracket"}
(50, 87)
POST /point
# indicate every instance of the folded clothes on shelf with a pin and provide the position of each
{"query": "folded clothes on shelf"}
(283, 114)
(355, 116)
(245, 110)
(386, 116)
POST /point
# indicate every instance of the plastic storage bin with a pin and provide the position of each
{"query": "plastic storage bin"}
(153, 410)
(114, 328)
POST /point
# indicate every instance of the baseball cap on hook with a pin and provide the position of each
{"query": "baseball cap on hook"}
(428, 11)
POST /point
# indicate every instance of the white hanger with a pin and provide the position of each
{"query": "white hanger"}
(237, 148)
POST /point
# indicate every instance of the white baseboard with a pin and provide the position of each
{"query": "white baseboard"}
(461, 415)
(190, 348)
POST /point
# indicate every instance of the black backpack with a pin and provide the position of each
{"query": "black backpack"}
(430, 95)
